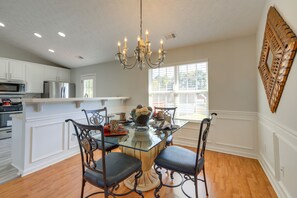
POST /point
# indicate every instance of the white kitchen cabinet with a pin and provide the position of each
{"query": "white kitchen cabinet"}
(3, 69)
(57, 74)
(17, 70)
(35, 77)
(12, 70)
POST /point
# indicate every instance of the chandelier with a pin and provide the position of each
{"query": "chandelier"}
(142, 52)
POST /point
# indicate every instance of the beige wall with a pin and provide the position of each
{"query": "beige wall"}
(232, 74)
(9, 51)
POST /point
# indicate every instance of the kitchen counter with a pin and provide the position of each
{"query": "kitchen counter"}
(38, 102)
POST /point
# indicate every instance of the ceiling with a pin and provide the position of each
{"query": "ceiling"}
(93, 27)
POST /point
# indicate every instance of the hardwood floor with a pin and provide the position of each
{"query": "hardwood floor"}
(227, 176)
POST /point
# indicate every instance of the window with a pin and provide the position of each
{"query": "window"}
(88, 84)
(182, 86)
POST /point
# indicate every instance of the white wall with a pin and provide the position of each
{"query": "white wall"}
(278, 131)
(232, 75)
(10, 51)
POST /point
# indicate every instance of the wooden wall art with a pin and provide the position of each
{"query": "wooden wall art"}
(278, 52)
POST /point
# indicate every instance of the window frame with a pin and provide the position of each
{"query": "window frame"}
(176, 85)
(88, 77)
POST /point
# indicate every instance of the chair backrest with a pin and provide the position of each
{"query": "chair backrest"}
(203, 134)
(96, 117)
(169, 111)
(87, 146)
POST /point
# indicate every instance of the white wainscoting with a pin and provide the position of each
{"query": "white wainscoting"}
(47, 140)
(278, 155)
(50, 140)
(231, 132)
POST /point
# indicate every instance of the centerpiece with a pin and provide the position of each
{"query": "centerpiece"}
(141, 115)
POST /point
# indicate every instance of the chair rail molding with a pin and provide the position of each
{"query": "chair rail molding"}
(232, 132)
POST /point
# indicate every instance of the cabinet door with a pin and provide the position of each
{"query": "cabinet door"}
(17, 70)
(35, 77)
(3, 69)
(64, 75)
(51, 73)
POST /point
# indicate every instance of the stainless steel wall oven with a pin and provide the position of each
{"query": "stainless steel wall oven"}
(9, 105)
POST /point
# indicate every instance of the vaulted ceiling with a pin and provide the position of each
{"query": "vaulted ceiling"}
(93, 27)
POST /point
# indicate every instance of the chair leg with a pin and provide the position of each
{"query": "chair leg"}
(206, 190)
(106, 193)
(82, 188)
(196, 186)
(137, 176)
(161, 184)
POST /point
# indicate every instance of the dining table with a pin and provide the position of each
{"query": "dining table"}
(144, 143)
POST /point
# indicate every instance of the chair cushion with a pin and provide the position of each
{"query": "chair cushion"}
(118, 167)
(108, 146)
(179, 160)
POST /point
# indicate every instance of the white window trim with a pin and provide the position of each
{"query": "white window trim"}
(85, 77)
(175, 64)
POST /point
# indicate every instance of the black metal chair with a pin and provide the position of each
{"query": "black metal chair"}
(170, 111)
(184, 161)
(108, 171)
(99, 117)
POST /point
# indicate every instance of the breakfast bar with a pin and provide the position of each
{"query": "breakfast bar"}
(40, 135)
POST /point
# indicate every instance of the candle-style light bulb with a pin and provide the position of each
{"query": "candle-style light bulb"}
(125, 42)
(119, 46)
(146, 36)
(159, 51)
(138, 40)
(161, 42)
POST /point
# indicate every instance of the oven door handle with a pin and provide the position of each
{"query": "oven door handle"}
(11, 112)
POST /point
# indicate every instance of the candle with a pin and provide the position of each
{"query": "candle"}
(119, 46)
(161, 42)
(138, 40)
(125, 43)
(146, 36)
(159, 53)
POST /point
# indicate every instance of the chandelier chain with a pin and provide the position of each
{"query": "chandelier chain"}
(140, 19)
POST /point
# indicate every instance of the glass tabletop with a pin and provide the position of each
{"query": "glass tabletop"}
(143, 138)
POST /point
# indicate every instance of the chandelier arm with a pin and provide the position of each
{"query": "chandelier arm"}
(126, 66)
(154, 65)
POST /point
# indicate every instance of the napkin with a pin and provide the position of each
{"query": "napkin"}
(166, 124)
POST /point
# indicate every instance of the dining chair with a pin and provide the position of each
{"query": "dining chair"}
(169, 111)
(191, 164)
(99, 117)
(108, 171)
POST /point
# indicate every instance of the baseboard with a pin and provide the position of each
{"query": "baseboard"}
(218, 149)
(48, 163)
(275, 184)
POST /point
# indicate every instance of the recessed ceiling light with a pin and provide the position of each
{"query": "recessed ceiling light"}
(2, 24)
(37, 35)
(50, 50)
(61, 34)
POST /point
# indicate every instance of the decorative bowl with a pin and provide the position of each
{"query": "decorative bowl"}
(141, 116)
